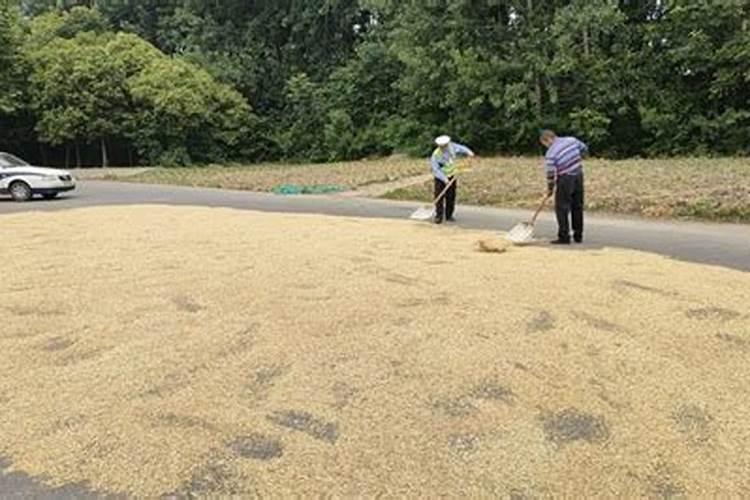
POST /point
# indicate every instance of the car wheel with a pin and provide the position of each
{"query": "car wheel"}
(49, 196)
(20, 191)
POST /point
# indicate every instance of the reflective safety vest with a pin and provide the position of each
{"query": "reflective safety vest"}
(446, 160)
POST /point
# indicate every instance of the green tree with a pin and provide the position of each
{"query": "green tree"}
(183, 114)
(364, 106)
(99, 87)
(334, 79)
(303, 120)
(694, 94)
(76, 85)
(12, 64)
(592, 72)
(16, 122)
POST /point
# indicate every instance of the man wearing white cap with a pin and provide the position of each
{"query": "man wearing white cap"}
(444, 169)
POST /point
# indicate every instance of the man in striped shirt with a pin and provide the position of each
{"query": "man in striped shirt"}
(564, 168)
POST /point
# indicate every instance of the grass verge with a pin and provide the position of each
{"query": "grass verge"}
(266, 177)
(696, 188)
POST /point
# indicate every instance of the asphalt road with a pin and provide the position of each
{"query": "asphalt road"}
(720, 244)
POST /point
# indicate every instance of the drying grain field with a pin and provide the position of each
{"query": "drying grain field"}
(155, 350)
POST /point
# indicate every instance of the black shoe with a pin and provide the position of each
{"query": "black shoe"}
(560, 242)
(451, 219)
(578, 240)
(438, 220)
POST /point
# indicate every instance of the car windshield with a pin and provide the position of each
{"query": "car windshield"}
(8, 160)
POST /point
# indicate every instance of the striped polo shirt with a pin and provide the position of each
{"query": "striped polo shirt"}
(564, 157)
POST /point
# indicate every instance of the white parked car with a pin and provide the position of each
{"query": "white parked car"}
(22, 181)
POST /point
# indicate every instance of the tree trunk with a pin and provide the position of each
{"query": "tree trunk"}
(586, 46)
(78, 155)
(538, 97)
(130, 156)
(105, 159)
(67, 156)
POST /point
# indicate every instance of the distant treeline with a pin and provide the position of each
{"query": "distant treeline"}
(194, 81)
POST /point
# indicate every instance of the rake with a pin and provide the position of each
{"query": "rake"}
(523, 233)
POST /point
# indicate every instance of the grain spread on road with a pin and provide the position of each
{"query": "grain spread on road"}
(155, 350)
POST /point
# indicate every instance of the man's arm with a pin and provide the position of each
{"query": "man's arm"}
(551, 172)
(460, 149)
(436, 171)
(582, 147)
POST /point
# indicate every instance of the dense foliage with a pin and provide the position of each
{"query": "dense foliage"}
(176, 82)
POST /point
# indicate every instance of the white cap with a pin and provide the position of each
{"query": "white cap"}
(443, 140)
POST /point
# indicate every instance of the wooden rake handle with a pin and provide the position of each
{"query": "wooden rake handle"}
(541, 207)
(447, 187)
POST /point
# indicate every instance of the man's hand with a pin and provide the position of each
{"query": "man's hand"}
(550, 188)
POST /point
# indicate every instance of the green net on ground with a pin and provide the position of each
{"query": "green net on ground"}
(292, 189)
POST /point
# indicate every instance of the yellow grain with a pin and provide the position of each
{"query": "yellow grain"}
(149, 350)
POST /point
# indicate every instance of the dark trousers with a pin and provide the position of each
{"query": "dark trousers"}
(447, 204)
(569, 201)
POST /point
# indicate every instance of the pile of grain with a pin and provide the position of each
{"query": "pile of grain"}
(495, 244)
(157, 350)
